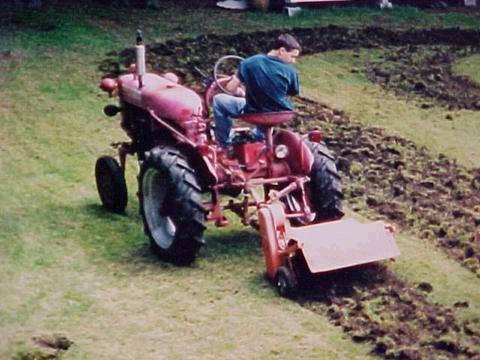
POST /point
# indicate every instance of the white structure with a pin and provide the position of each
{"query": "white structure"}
(385, 4)
(233, 4)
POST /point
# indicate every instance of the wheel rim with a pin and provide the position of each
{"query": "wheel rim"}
(282, 285)
(160, 225)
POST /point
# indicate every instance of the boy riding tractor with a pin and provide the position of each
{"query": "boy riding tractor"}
(289, 182)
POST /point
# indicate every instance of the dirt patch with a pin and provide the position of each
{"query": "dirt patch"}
(427, 71)
(420, 66)
(46, 347)
(390, 177)
(11, 55)
(183, 55)
(56, 342)
(373, 305)
(7, 59)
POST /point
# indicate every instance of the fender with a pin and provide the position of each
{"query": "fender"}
(203, 162)
(299, 158)
(271, 220)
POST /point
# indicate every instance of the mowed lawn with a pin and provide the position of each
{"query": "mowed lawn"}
(68, 267)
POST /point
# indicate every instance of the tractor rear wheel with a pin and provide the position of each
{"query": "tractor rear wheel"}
(325, 186)
(323, 192)
(111, 184)
(171, 206)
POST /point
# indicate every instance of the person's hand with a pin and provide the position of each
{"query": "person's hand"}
(239, 92)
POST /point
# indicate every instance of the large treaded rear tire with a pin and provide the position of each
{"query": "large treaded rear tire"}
(171, 206)
(326, 189)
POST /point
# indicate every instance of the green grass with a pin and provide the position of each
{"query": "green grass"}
(470, 67)
(401, 17)
(328, 78)
(422, 262)
(67, 266)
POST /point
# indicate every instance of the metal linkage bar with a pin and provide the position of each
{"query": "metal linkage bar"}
(177, 133)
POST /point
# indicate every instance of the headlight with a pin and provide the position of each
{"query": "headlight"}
(281, 151)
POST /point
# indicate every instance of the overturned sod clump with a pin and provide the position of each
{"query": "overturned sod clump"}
(390, 176)
(427, 71)
(373, 305)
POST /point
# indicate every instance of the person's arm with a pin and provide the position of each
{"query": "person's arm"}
(294, 88)
(235, 86)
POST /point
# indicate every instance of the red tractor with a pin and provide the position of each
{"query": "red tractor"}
(289, 183)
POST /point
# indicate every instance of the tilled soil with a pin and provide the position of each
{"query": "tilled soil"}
(436, 198)
(387, 176)
(182, 55)
(427, 71)
(421, 65)
(373, 305)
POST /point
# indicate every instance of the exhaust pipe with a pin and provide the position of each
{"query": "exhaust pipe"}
(140, 56)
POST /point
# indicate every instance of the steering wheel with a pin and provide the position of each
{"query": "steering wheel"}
(221, 78)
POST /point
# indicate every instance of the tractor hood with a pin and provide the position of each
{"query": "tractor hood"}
(167, 98)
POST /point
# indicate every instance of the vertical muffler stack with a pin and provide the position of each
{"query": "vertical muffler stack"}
(140, 55)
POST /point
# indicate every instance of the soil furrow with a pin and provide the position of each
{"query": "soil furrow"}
(427, 71)
(435, 198)
(183, 55)
(373, 305)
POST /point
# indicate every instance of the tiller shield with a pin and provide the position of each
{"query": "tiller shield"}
(344, 243)
(325, 246)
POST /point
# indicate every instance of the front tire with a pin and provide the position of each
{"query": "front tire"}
(171, 206)
(111, 184)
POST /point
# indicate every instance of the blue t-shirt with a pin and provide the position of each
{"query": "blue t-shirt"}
(268, 81)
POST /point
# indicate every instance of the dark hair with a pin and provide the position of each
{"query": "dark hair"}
(286, 41)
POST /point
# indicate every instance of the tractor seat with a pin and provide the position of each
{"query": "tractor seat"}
(268, 118)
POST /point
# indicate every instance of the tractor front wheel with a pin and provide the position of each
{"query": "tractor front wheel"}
(171, 206)
(111, 184)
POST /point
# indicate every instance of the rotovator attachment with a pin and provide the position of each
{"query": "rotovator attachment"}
(184, 174)
(326, 246)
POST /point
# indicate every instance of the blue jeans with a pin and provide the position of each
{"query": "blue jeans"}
(225, 109)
